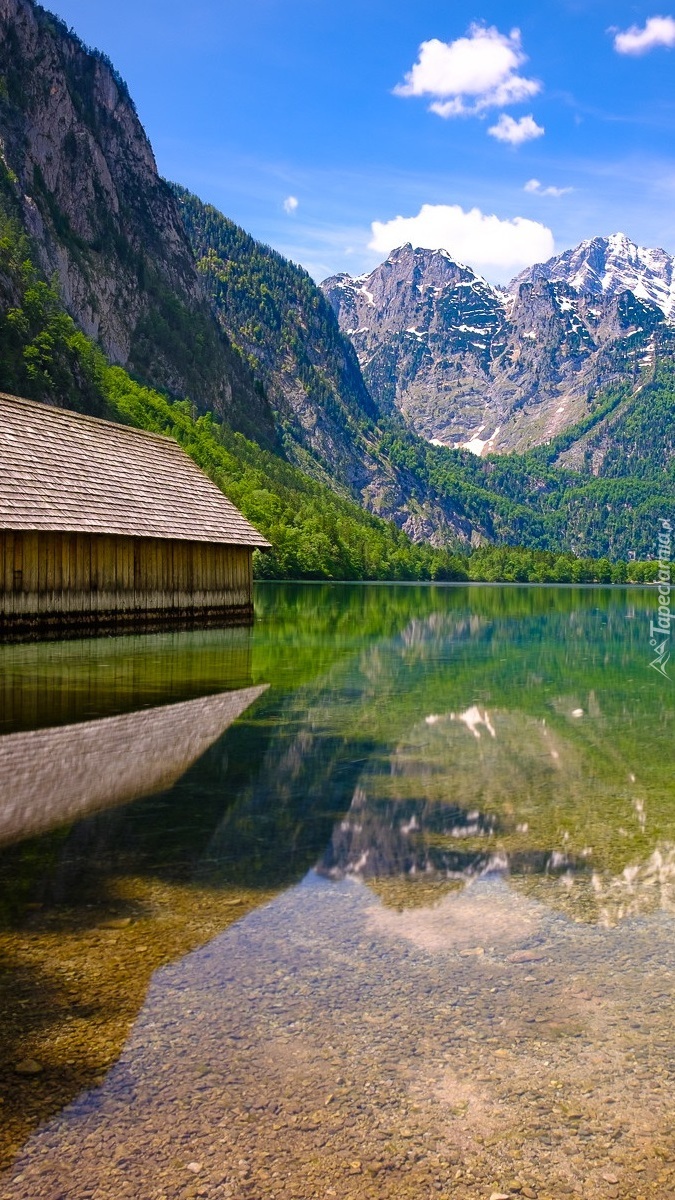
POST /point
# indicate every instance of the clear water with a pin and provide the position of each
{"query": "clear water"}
(374, 900)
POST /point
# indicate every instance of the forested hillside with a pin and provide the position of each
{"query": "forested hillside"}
(284, 326)
(104, 266)
(315, 533)
(286, 331)
(524, 500)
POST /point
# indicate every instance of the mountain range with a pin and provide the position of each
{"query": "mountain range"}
(472, 365)
(320, 409)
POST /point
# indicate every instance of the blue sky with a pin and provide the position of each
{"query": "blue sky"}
(316, 123)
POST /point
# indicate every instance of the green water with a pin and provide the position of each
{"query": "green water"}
(374, 899)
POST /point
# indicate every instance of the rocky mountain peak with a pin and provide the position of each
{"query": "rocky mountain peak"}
(468, 364)
(608, 266)
(407, 290)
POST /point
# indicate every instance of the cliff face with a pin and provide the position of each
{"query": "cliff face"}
(82, 172)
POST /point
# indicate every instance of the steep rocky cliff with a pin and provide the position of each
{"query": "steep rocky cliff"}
(80, 171)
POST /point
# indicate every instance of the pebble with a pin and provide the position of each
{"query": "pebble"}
(28, 1066)
(234, 1054)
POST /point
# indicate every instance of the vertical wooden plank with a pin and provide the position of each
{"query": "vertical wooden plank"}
(151, 571)
(104, 577)
(93, 571)
(138, 563)
(50, 555)
(73, 595)
(137, 571)
(127, 571)
(64, 547)
(111, 571)
(57, 595)
(151, 549)
(83, 572)
(206, 566)
(42, 566)
(118, 572)
(30, 565)
(130, 570)
(165, 548)
(8, 573)
(96, 571)
(156, 570)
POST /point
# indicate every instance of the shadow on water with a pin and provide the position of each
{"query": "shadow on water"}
(81, 930)
(91, 909)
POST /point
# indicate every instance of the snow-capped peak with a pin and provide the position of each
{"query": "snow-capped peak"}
(608, 266)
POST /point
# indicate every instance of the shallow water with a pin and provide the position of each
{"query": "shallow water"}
(377, 899)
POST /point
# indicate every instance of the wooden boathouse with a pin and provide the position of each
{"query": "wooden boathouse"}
(103, 524)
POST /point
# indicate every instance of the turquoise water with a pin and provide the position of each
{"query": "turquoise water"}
(375, 899)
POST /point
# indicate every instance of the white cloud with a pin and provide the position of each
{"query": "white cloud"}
(657, 31)
(485, 242)
(537, 189)
(291, 204)
(515, 132)
(473, 73)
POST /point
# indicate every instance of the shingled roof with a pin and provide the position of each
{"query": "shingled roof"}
(62, 471)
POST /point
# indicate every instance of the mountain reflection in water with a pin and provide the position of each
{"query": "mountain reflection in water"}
(482, 791)
(454, 995)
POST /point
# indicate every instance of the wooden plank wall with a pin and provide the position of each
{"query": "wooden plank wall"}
(71, 573)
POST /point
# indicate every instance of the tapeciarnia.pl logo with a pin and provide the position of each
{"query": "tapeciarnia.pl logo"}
(659, 629)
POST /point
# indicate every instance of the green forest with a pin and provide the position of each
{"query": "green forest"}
(270, 308)
(315, 533)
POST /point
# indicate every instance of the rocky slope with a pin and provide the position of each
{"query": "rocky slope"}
(470, 364)
(424, 328)
(79, 172)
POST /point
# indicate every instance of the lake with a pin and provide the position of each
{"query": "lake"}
(375, 899)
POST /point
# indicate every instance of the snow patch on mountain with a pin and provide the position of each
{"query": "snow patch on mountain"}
(608, 266)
